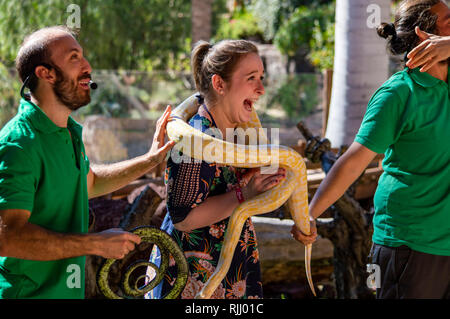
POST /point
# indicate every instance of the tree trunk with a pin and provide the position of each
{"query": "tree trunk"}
(326, 97)
(360, 65)
(201, 20)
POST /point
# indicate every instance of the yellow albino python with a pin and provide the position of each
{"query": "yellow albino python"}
(292, 189)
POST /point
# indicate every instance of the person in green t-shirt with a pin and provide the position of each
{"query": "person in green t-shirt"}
(46, 179)
(407, 120)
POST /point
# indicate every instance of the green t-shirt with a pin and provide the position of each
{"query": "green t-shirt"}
(43, 169)
(407, 119)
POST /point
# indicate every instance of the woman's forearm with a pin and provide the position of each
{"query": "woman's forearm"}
(212, 210)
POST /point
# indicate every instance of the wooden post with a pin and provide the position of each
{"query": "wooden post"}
(326, 93)
(201, 20)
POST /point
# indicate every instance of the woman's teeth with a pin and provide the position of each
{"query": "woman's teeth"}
(248, 105)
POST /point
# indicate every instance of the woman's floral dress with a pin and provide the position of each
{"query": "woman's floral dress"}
(188, 185)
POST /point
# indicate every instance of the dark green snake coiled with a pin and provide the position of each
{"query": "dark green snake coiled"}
(167, 247)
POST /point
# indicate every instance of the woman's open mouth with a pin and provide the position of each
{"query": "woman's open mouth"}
(248, 104)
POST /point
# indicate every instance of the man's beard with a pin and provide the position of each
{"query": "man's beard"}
(67, 91)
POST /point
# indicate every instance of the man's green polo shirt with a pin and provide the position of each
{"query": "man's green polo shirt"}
(43, 169)
(408, 119)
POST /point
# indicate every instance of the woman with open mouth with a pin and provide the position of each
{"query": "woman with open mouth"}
(201, 196)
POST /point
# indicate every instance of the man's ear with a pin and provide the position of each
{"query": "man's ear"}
(218, 84)
(45, 74)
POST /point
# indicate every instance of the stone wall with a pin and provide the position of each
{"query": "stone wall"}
(283, 261)
(109, 140)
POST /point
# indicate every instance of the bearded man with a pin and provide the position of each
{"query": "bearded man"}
(46, 179)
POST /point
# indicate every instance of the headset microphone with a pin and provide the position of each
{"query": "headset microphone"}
(93, 85)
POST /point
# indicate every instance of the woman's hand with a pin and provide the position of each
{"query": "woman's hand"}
(257, 183)
(432, 50)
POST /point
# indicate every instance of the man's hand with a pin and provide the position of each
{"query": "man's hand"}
(115, 243)
(157, 152)
(432, 50)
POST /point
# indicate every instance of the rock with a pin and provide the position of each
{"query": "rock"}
(144, 206)
(107, 213)
(109, 140)
(276, 243)
(283, 261)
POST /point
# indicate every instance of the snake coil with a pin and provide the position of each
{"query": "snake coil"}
(168, 247)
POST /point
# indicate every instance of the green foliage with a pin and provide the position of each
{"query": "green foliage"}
(115, 34)
(219, 10)
(322, 46)
(271, 14)
(297, 31)
(296, 94)
(241, 25)
(295, 25)
(9, 93)
(265, 12)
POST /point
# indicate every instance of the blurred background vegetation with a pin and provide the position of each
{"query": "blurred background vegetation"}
(140, 49)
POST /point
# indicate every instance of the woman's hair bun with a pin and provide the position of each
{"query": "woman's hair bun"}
(385, 30)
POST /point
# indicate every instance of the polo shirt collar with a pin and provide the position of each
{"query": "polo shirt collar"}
(423, 78)
(39, 119)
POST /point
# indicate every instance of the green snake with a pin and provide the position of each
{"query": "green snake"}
(167, 246)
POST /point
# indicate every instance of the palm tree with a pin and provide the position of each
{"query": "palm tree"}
(201, 20)
(360, 65)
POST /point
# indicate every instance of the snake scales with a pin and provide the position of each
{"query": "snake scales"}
(292, 189)
(167, 245)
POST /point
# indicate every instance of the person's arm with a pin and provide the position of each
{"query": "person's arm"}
(430, 51)
(21, 239)
(104, 179)
(217, 208)
(343, 173)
